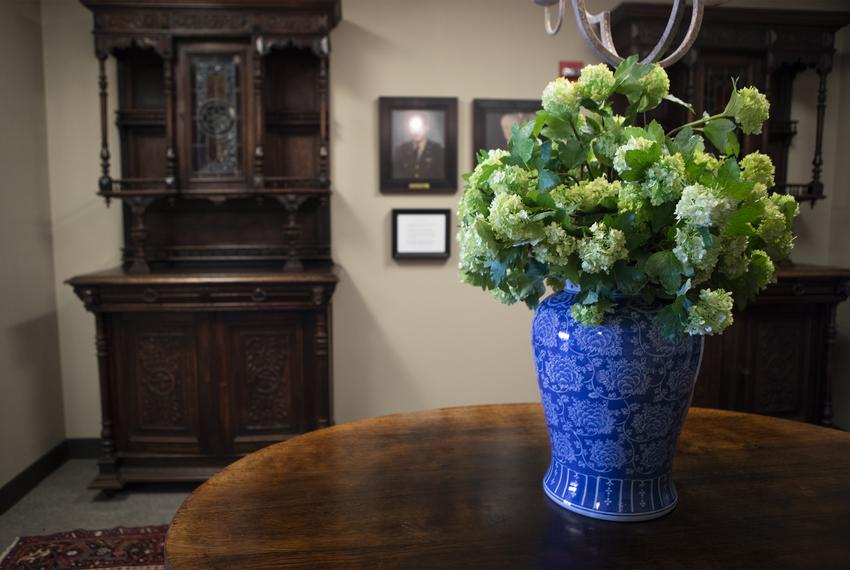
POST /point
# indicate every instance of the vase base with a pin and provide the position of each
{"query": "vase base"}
(563, 503)
(621, 500)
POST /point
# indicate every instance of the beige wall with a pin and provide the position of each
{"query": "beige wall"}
(30, 391)
(406, 336)
(86, 235)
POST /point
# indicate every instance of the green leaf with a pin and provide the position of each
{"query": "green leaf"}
(635, 133)
(661, 216)
(665, 268)
(735, 102)
(655, 132)
(546, 180)
(521, 143)
(721, 133)
(630, 280)
(498, 271)
(540, 120)
(740, 223)
(540, 198)
(685, 142)
(672, 318)
(571, 153)
(676, 100)
(639, 160)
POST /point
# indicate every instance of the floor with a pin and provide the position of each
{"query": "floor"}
(61, 502)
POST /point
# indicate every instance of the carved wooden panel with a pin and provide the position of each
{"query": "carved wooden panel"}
(262, 366)
(157, 361)
(777, 388)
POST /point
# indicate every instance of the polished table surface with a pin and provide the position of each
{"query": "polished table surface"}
(461, 488)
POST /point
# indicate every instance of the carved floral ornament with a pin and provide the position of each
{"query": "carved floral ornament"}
(602, 42)
(216, 21)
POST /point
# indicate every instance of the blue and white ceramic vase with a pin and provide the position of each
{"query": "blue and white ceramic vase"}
(615, 398)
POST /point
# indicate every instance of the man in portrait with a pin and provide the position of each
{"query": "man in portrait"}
(420, 157)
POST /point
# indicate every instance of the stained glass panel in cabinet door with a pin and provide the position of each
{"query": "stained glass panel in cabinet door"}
(216, 122)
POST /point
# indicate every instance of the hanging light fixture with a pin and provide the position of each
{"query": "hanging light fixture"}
(596, 29)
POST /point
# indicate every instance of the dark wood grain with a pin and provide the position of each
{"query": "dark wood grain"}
(461, 488)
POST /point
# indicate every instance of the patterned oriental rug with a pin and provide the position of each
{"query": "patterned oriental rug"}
(141, 548)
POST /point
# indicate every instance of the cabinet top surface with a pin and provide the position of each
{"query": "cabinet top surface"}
(240, 4)
(744, 17)
(460, 488)
(806, 270)
(117, 276)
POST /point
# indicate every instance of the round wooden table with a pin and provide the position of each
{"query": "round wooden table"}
(461, 488)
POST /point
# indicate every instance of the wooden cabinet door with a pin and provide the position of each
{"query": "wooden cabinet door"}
(159, 363)
(260, 366)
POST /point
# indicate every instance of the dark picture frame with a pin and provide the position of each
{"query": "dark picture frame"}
(418, 145)
(487, 115)
(413, 244)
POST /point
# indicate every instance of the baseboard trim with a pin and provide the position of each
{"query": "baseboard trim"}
(26, 480)
(83, 447)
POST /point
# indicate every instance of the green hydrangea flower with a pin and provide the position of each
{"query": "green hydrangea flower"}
(775, 227)
(634, 143)
(512, 179)
(556, 247)
(590, 315)
(733, 256)
(509, 217)
(656, 86)
(474, 250)
(665, 179)
(587, 195)
(757, 167)
(711, 314)
(595, 83)
(631, 197)
(559, 97)
(761, 272)
(472, 203)
(702, 206)
(753, 111)
(483, 170)
(705, 161)
(602, 248)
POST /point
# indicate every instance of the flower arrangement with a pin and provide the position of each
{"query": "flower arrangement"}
(585, 196)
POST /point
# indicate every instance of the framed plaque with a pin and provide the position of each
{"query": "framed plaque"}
(421, 233)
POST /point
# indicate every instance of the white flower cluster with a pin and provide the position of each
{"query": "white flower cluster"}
(690, 247)
(511, 179)
(602, 248)
(665, 179)
(494, 158)
(701, 206)
(711, 314)
(474, 251)
(556, 247)
(509, 217)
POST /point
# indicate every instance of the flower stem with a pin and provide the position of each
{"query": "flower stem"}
(697, 122)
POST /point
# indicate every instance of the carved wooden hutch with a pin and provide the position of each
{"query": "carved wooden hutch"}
(213, 339)
(775, 359)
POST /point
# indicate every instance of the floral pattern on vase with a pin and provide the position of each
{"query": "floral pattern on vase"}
(615, 398)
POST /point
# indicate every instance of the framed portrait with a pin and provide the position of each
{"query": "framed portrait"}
(493, 119)
(418, 140)
(421, 233)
